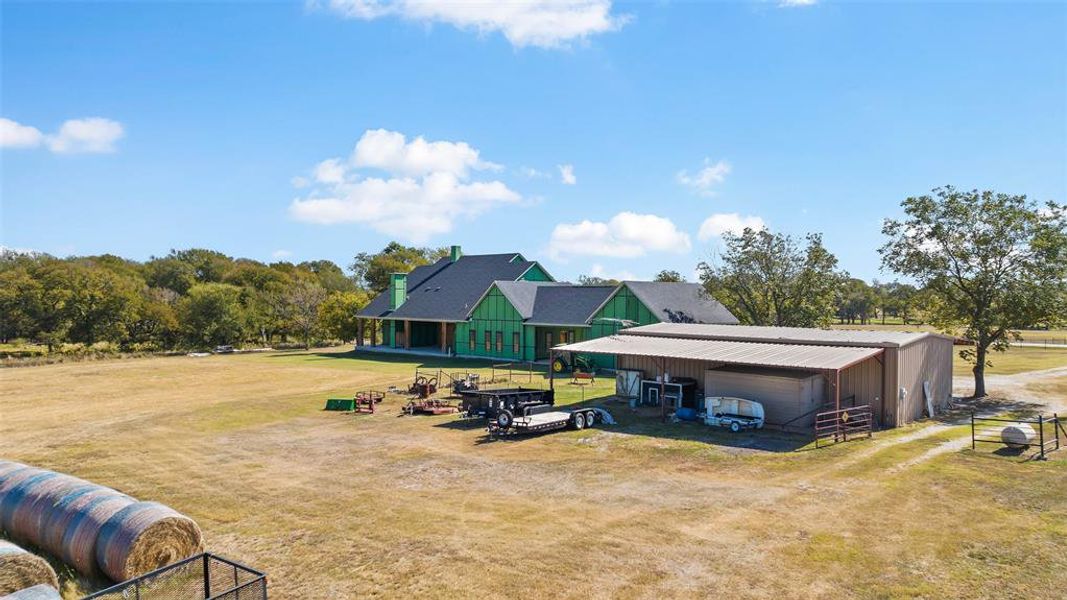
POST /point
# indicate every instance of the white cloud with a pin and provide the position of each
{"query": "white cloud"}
(543, 23)
(329, 171)
(427, 188)
(280, 254)
(299, 182)
(626, 235)
(94, 134)
(598, 270)
(706, 178)
(718, 224)
(16, 135)
(532, 173)
(795, 3)
(566, 174)
(390, 151)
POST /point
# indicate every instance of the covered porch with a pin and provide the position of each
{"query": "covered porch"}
(409, 335)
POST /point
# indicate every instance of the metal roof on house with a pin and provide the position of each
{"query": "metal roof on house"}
(790, 356)
(680, 302)
(451, 291)
(781, 335)
(571, 305)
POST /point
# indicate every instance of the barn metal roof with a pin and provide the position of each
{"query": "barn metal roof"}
(782, 335)
(790, 356)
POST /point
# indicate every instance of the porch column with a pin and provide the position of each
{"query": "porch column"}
(407, 335)
(359, 332)
(444, 337)
(374, 332)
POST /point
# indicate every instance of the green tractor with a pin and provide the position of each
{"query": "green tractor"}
(573, 362)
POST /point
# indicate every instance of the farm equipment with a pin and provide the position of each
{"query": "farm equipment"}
(464, 382)
(514, 411)
(423, 386)
(430, 406)
(573, 362)
(365, 401)
(362, 402)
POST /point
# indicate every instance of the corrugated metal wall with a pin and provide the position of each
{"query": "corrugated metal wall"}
(785, 400)
(929, 359)
(864, 381)
(676, 367)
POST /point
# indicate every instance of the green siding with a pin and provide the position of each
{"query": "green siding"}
(398, 289)
(622, 305)
(536, 273)
(493, 314)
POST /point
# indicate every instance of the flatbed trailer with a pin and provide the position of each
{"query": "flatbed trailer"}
(545, 419)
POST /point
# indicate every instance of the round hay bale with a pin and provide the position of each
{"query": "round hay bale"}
(78, 547)
(20, 569)
(12, 491)
(27, 501)
(1018, 435)
(143, 537)
(37, 592)
(59, 515)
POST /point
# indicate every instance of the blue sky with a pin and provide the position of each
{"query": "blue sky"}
(293, 130)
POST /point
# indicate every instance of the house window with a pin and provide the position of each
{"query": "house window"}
(488, 340)
(548, 339)
(472, 341)
(499, 342)
(570, 336)
(515, 349)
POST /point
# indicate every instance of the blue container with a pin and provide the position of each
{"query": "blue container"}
(686, 414)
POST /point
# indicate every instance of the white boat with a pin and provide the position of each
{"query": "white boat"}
(733, 413)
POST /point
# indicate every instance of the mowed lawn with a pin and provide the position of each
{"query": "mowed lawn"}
(335, 505)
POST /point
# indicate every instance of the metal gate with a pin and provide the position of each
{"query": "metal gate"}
(842, 425)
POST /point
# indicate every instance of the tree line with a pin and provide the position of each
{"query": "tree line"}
(189, 299)
(981, 265)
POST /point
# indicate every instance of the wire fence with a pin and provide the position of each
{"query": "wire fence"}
(202, 577)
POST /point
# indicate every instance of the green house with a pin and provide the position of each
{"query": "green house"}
(503, 307)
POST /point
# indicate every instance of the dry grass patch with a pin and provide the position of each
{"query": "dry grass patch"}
(336, 505)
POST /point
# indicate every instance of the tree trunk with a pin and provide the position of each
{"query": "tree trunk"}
(979, 371)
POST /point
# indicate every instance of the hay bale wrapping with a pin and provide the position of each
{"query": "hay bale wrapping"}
(20, 569)
(145, 536)
(92, 528)
(37, 592)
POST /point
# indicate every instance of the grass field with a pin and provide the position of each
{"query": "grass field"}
(334, 505)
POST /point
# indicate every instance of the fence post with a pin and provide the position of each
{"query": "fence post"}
(1041, 434)
(972, 430)
(207, 578)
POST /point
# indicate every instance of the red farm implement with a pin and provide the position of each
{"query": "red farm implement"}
(430, 406)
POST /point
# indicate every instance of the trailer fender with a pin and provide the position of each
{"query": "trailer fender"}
(604, 416)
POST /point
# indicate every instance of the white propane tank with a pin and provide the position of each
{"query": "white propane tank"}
(1018, 435)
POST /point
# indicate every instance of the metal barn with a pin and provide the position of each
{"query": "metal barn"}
(900, 375)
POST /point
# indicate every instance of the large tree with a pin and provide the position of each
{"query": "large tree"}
(373, 270)
(669, 276)
(211, 315)
(305, 297)
(337, 314)
(766, 278)
(994, 263)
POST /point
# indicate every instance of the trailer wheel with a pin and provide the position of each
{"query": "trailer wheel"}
(735, 427)
(579, 421)
(504, 419)
(590, 418)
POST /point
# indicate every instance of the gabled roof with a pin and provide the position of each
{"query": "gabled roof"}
(569, 305)
(452, 290)
(782, 335)
(680, 302)
(523, 294)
